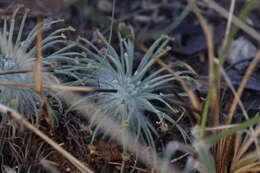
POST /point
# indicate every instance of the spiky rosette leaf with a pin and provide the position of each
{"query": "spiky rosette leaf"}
(18, 52)
(136, 89)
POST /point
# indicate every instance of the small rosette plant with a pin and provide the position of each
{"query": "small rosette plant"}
(137, 90)
(18, 52)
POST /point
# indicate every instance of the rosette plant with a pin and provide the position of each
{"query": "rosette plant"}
(133, 105)
(18, 52)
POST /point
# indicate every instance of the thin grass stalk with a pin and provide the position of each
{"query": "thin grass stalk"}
(234, 29)
(250, 5)
(240, 90)
(223, 12)
(250, 122)
(38, 74)
(23, 71)
(204, 118)
(112, 20)
(229, 34)
(58, 87)
(221, 127)
(237, 146)
(212, 98)
(228, 27)
(38, 62)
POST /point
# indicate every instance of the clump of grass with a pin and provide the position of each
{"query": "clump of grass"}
(24, 153)
(17, 52)
(137, 90)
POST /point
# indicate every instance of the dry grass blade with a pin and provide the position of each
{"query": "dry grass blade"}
(213, 92)
(253, 33)
(229, 22)
(232, 88)
(22, 71)
(255, 167)
(58, 87)
(19, 118)
(38, 62)
(240, 90)
(38, 75)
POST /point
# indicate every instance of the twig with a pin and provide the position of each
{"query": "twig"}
(59, 87)
(23, 71)
(179, 158)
